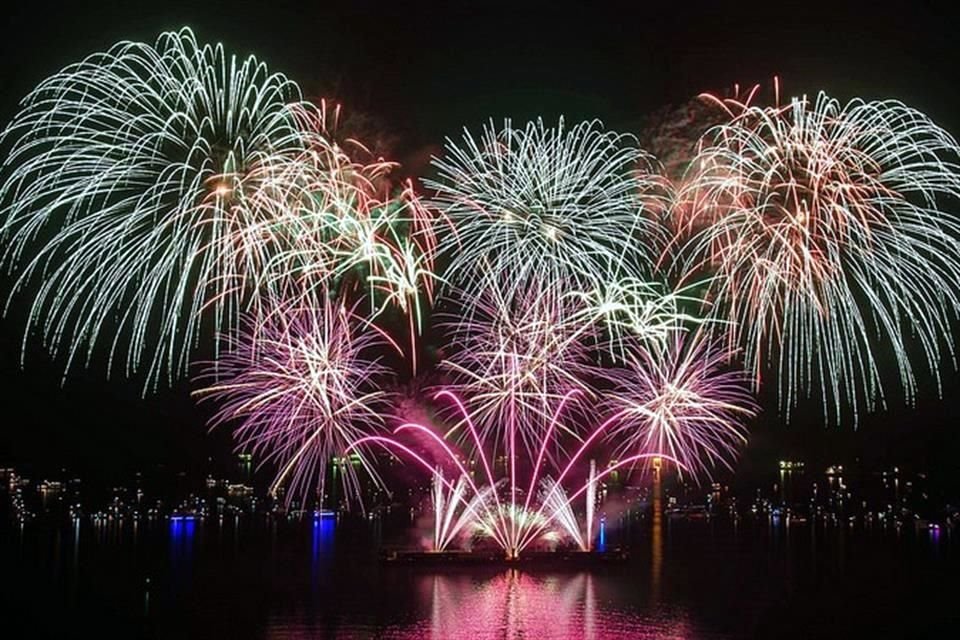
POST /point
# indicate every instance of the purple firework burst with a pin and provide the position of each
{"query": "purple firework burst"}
(300, 386)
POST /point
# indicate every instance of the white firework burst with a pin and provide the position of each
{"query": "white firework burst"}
(547, 204)
(140, 192)
(825, 228)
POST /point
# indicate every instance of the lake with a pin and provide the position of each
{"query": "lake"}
(262, 578)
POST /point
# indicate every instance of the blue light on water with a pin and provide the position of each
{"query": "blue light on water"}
(602, 543)
(182, 527)
(324, 523)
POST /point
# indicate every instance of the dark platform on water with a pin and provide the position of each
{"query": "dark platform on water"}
(488, 558)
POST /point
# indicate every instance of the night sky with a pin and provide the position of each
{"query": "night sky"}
(421, 73)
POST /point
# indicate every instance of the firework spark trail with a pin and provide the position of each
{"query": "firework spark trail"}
(826, 237)
(560, 503)
(453, 511)
(174, 189)
(302, 390)
(678, 401)
(674, 398)
(546, 205)
(483, 506)
(142, 171)
(689, 212)
(520, 359)
(630, 309)
(672, 134)
(482, 509)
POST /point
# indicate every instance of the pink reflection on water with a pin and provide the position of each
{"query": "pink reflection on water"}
(514, 604)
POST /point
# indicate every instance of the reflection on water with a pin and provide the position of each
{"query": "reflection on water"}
(182, 530)
(512, 603)
(321, 545)
(181, 541)
(656, 535)
(319, 578)
(322, 538)
(516, 604)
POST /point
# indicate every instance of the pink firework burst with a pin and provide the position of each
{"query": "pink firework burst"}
(301, 386)
(516, 357)
(681, 401)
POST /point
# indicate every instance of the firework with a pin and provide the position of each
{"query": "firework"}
(518, 503)
(675, 134)
(826, 238)
(546, 205)
(630, 310)
(158, 194)
(301, 387)
(350, 230)
(146, 177)
(516, 357)
(671, 133)
(682, 400)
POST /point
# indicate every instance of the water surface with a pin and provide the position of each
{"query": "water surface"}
(258, 578)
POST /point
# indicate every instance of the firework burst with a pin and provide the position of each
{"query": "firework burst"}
(147, 176)
(546, 205)
(826, 236)
(302, 387)
(630, 310)
(350, 228)
(681, 401)
(516, 358)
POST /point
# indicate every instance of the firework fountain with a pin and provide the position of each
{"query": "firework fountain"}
(523, 484)
(512, 511)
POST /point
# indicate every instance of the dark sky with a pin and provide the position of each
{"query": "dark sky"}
(424, 72)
